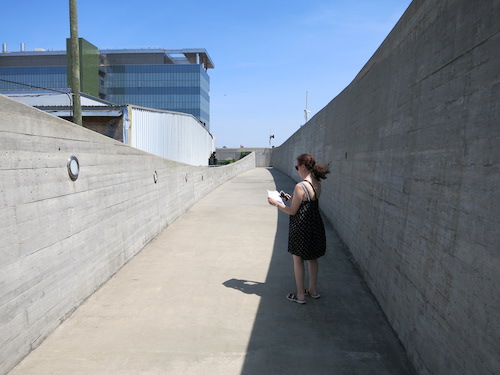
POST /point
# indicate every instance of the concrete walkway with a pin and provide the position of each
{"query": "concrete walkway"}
(207, 296)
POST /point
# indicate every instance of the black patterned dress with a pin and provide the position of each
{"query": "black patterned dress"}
(306, 234)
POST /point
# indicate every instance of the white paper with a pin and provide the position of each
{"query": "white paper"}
(275, 195)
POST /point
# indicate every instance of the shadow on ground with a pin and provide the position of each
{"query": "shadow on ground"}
(343, 332)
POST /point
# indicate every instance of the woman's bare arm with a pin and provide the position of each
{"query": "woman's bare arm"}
(298, 196)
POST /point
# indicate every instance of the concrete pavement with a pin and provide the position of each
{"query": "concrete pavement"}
(207, 296)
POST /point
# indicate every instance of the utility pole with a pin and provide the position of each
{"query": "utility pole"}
(75, 63)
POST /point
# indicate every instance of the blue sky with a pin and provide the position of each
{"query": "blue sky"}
(267, 54)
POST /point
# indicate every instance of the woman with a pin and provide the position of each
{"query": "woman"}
(306, 237)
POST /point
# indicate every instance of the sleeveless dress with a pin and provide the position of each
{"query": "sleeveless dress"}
(306, 234)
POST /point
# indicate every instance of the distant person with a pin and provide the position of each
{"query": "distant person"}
(212, 160)
(306, 237)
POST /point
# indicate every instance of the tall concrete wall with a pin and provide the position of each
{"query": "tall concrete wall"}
(414, 143)
(60, 240)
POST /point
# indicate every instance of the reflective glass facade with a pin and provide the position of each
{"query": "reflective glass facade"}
(174, 80)
(180, 88)
(52, 77)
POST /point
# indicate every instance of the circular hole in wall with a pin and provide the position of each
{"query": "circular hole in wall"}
(73, 168)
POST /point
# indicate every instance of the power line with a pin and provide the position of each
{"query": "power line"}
(33, 86)
(41, 88)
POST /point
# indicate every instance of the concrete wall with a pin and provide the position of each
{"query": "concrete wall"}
(262, 155)
(60, 240)
(414, 143)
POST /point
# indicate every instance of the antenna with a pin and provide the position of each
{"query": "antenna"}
(306, 111)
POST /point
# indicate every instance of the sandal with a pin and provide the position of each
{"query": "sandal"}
(316, 296)
(292, 297)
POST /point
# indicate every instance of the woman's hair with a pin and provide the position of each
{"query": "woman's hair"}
(319, 171)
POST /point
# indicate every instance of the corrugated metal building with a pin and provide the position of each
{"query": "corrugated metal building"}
(172, 135)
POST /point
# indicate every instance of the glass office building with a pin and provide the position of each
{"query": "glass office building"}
(25, 70)
(171, 80)
(175, 80)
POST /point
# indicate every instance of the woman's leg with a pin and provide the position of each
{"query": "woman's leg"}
(298, 268)
(313, 276)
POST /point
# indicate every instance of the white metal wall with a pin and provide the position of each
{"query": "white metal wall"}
(171, 135)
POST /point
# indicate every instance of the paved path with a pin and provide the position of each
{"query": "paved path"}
(207, 296)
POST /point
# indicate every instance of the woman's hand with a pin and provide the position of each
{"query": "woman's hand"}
(285, 196)
(271, 201)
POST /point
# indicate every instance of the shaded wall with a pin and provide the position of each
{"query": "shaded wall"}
(111, 127)
(414, 143)
(60, 240)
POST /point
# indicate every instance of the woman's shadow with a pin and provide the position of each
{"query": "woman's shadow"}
(246, 286)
